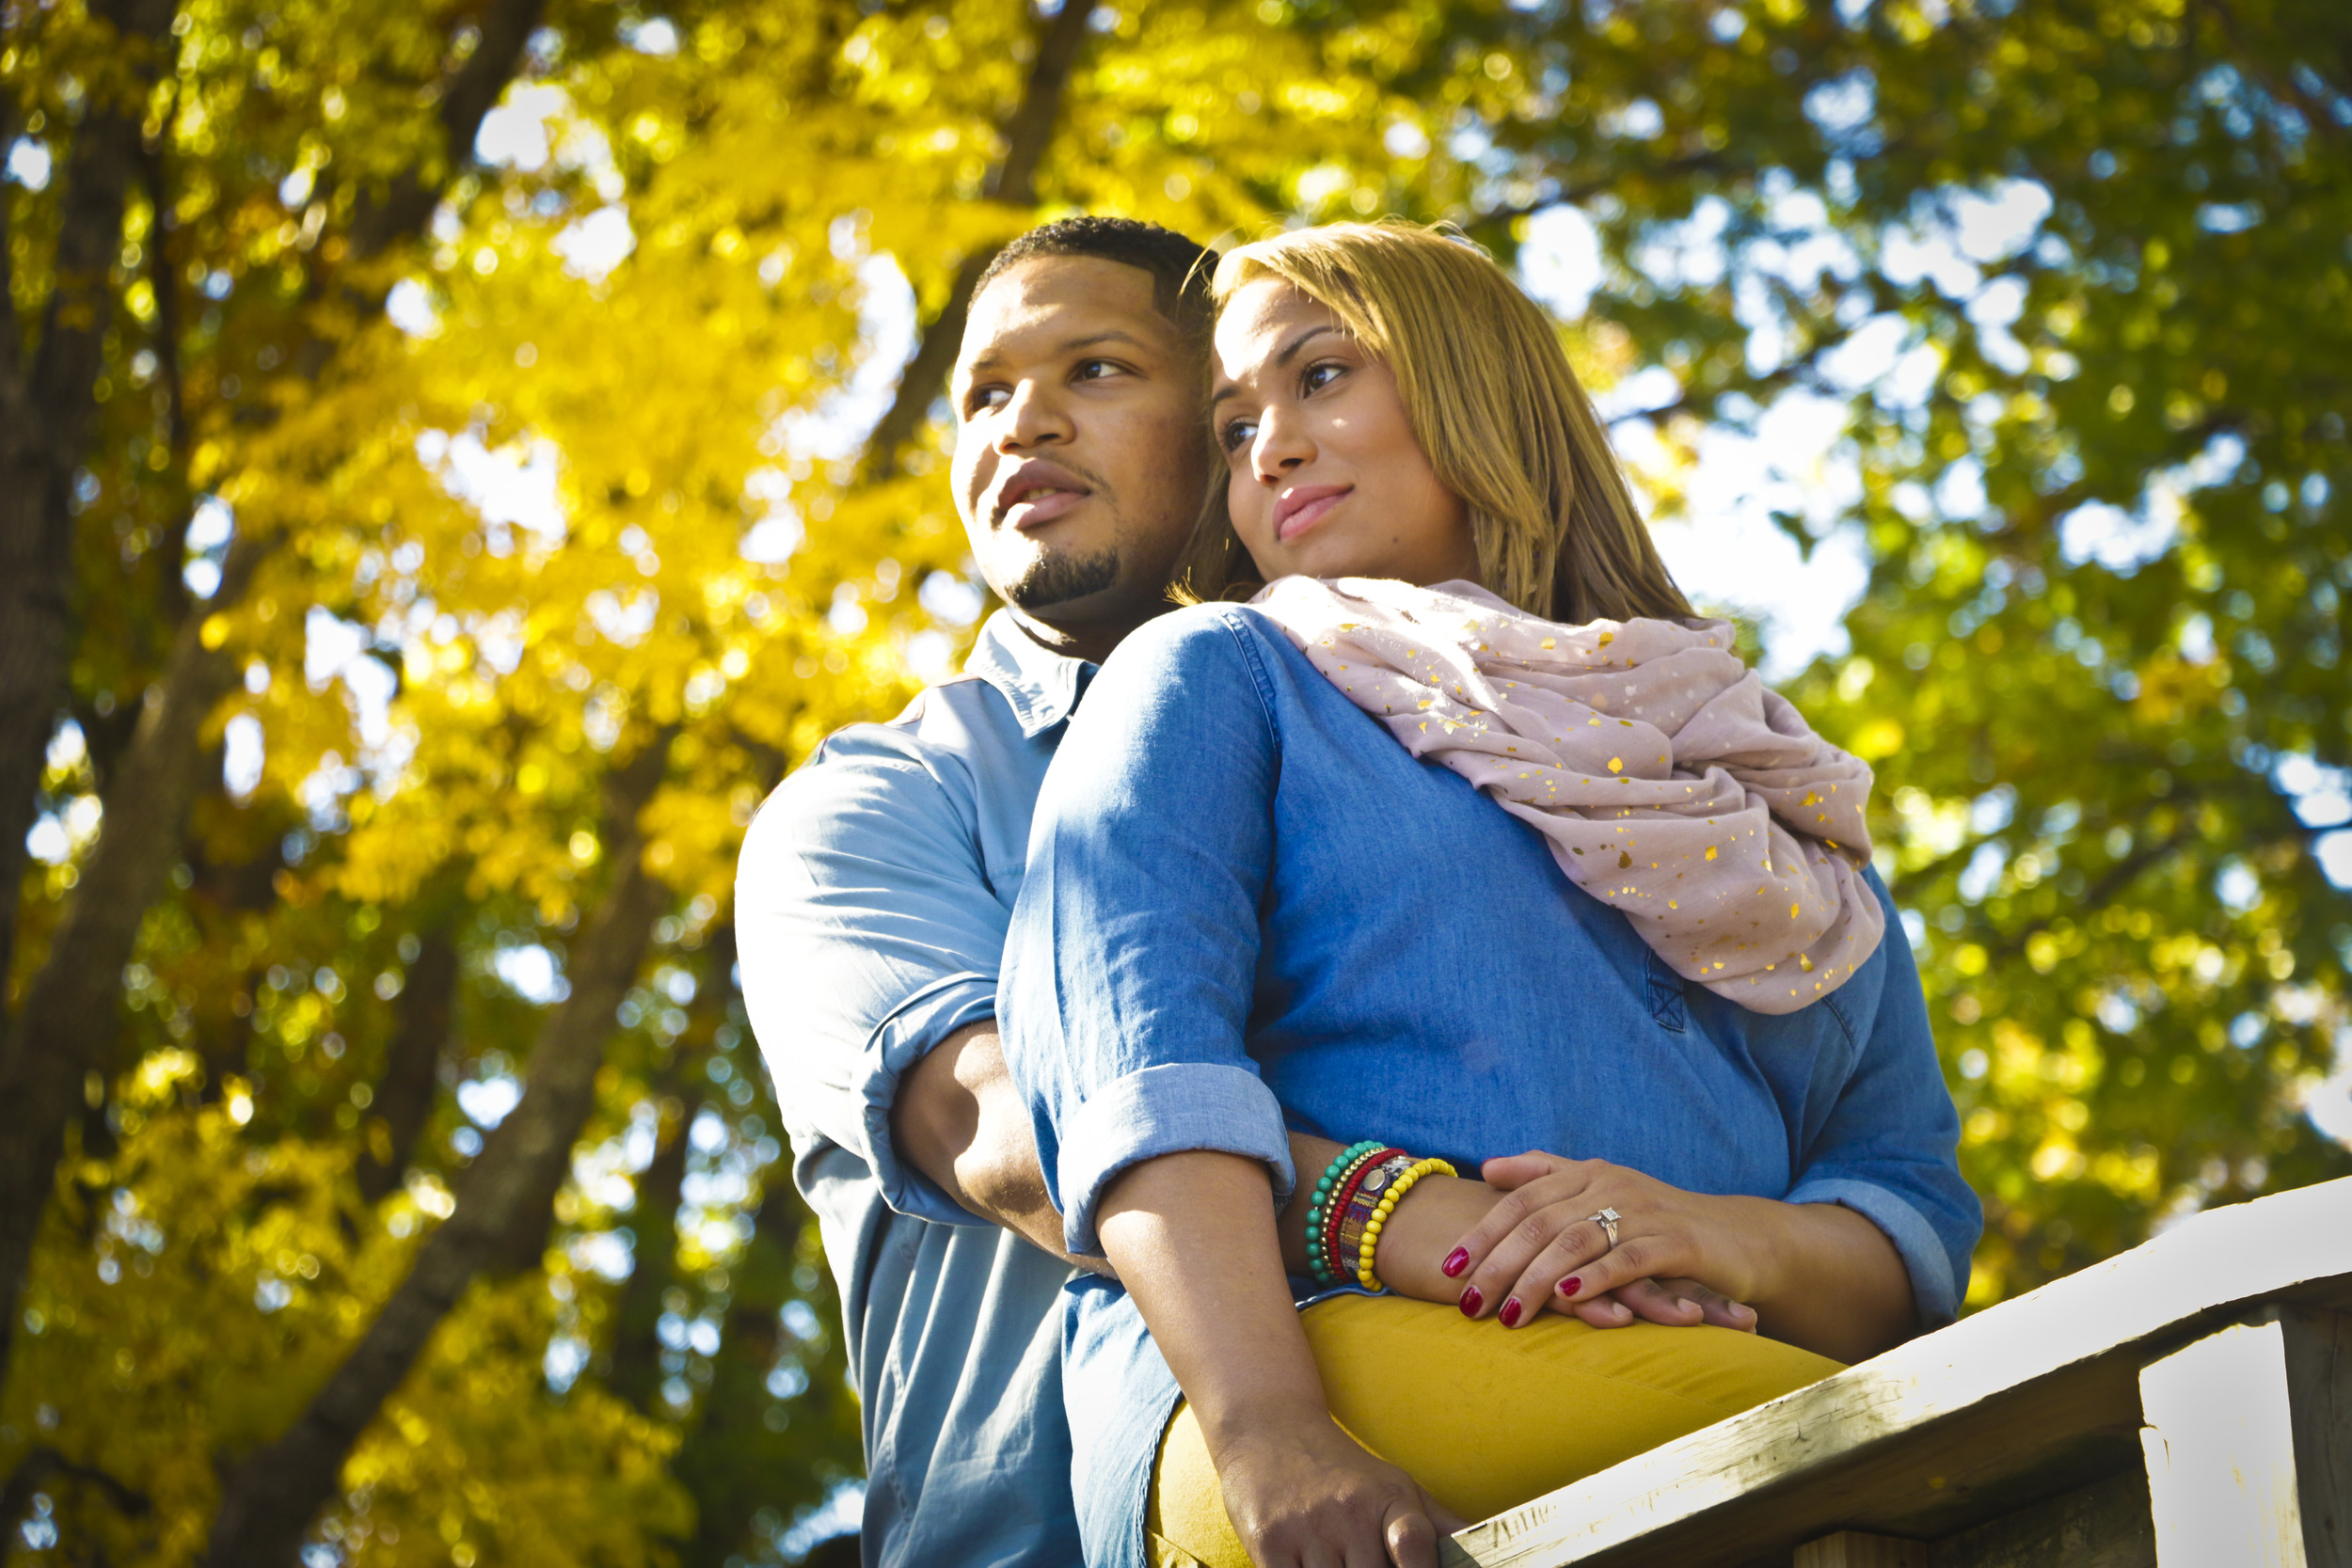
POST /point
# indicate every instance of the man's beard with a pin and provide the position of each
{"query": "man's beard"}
(1056, 579)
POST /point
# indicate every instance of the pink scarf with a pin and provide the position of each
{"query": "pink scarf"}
(1670, 783)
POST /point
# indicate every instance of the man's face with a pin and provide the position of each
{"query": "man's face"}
(1080, 447)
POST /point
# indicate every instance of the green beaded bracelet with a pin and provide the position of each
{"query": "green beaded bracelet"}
(1336, 1172)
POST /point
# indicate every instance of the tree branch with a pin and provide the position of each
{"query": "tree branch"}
(1013, 180)
(44, 428)
(58, 1036)
(268, 1500)
(405, 1092)
(34, 1471)
(402, 211)
(163, 275)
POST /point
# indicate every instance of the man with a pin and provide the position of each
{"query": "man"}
(876, 884)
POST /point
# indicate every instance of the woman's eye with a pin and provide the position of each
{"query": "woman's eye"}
(1319, 376)
(1095, 369)
(1237, 434)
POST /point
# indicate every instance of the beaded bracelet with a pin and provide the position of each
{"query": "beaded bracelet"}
(1347, 1230)
(1404, 1183)
(1347, 1205)
(1338, 1171)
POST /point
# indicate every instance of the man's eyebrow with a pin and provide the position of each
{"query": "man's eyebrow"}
(1289, 352)
(1112, 335)
(995, 355)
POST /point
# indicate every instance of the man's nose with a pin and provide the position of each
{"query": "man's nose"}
(1282, 445)
(1033, 417)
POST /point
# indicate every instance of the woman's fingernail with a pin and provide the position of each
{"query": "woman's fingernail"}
(1567, 1285)
(1510, 1313)
(1455, 1262)
(1471, 1302)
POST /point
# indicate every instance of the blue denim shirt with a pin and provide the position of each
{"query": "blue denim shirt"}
(1248, 908)
(871, 903)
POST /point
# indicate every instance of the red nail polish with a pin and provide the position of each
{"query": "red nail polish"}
(1510, 1313)
(1455, 1261)
(1567, 1285)
(1471, 1302)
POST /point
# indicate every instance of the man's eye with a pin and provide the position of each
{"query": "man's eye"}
(1237, 434)
(980, 400)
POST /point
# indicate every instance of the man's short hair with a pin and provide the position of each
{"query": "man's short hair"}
(1180, 269)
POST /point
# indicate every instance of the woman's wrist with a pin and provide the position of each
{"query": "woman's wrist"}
(1412, 1252)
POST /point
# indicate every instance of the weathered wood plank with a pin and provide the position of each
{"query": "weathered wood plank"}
(2032, 1398)
(2104, 1525)
(2220, 1447)
(2319, 1388)
(1853, 1549)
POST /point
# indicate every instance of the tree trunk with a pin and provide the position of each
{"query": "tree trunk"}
(44, 425)
(269, 1500)
(410, 1081)
(636, 1369)
(1028, 134)
(47, 1052)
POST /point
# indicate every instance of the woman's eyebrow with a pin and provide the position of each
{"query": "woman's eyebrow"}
(1290, 352)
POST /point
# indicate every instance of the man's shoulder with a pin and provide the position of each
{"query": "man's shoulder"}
(930, 739)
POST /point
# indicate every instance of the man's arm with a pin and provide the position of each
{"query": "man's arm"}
(959, 1121)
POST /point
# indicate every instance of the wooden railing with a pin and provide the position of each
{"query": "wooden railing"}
(2187, 1404)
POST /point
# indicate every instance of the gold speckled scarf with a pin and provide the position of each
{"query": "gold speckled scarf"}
(1669, 781)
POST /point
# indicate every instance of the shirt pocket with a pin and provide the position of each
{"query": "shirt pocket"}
(1666, 996)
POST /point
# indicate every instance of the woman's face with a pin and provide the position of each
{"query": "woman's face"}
(1323, 474)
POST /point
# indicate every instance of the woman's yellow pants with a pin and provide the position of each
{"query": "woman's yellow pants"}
(1485, 1418)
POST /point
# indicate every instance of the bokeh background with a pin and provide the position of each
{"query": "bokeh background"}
(455, 456)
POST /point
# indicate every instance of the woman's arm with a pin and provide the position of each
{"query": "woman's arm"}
(1193, 1238)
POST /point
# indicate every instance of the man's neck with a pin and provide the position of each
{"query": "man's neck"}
(1090, 640)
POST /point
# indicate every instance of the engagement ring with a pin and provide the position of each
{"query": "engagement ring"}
(1607, 1219)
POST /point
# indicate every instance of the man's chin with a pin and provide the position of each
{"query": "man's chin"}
(1061, 578)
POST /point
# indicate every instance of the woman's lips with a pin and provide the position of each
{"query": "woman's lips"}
(1306, 506)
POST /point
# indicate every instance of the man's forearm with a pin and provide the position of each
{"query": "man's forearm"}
(959, 1121)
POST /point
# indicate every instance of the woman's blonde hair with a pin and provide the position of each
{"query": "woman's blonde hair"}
(1489, 395)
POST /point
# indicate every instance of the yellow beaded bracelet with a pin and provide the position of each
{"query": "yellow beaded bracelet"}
(1389, 1201)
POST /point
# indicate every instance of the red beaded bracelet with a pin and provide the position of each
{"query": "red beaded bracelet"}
(1343, 1207)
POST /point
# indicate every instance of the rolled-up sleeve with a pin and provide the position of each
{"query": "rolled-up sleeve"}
(1888, 1150)
(868, 933)
(1129, 969)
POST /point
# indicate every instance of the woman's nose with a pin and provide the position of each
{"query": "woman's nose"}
(1281, 447)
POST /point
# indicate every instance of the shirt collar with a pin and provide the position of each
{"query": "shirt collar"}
(1043, 687)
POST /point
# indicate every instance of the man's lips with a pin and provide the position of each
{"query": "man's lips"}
(1303, 506)
(1037, 493)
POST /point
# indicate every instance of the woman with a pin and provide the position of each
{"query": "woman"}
(1248, 907)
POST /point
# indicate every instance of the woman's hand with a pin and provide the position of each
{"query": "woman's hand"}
(1303, 1493)
(1418, 1258)
(1817, 1275)
(1679, 1258)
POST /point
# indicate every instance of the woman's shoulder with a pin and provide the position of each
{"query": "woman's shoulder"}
(1197, 638)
